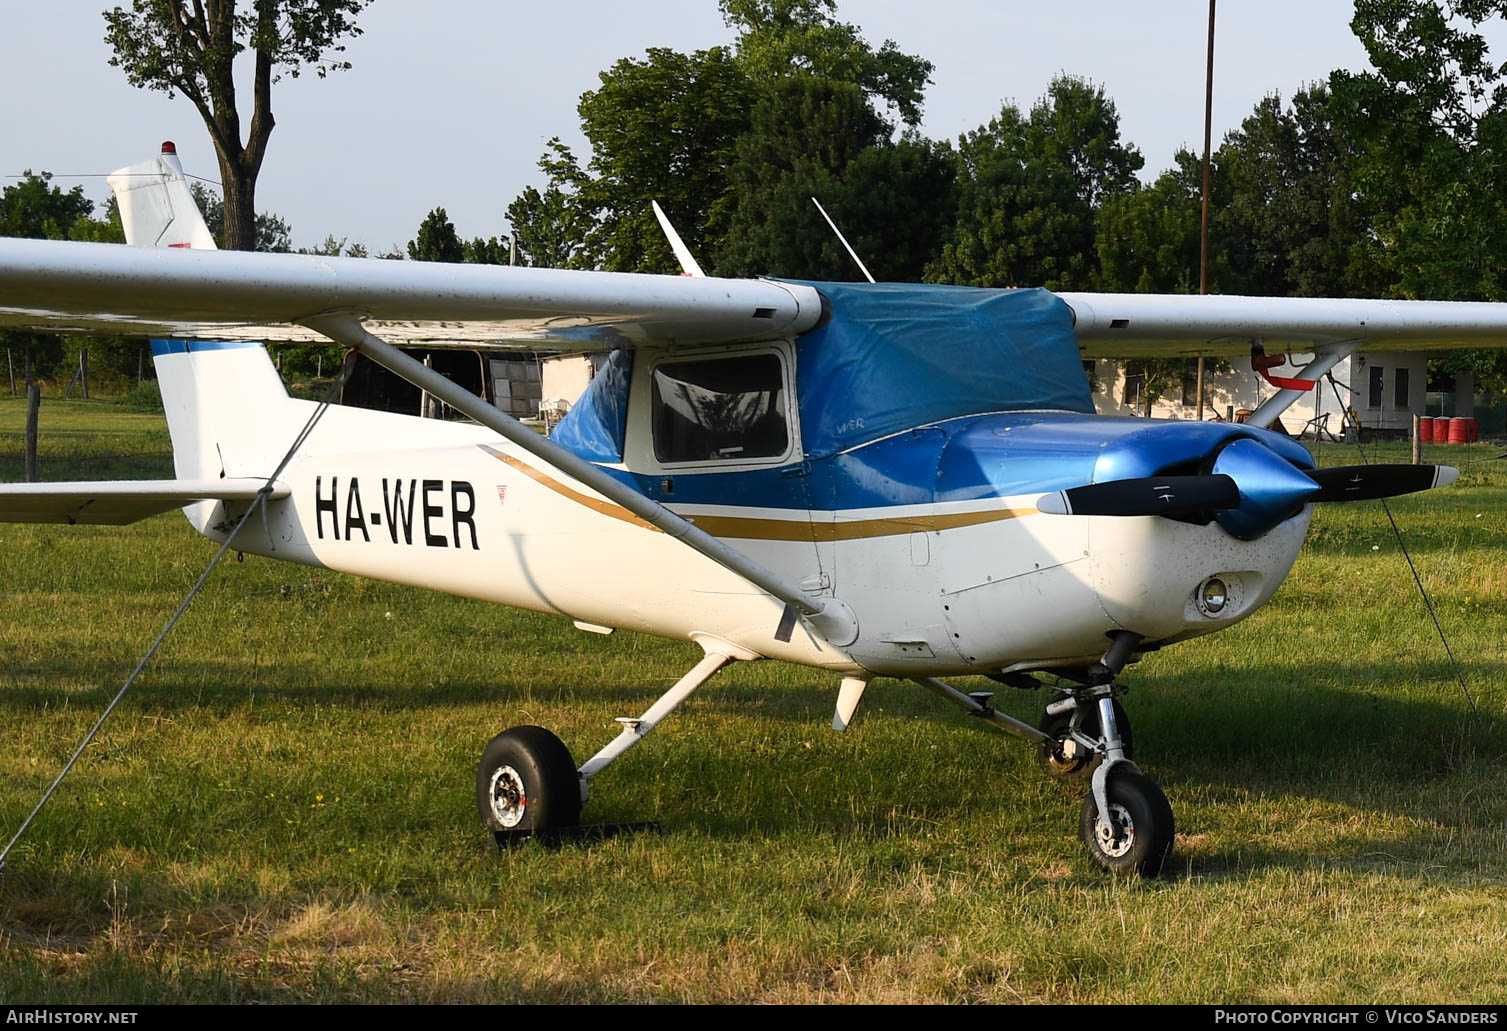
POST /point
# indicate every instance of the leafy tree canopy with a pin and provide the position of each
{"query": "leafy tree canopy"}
(782, 38)
(36, 209)
(437, 240)
(1029, 186)
(708, 135)
(1430, 124)
(551, 226)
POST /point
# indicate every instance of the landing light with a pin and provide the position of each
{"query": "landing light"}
(1212, 595)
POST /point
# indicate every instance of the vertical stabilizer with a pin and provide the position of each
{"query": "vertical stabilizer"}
(156, 207)
(227, 410)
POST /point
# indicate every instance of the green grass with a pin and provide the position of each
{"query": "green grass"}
(282, 810)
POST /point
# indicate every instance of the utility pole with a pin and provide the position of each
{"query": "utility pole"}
(1203, 244)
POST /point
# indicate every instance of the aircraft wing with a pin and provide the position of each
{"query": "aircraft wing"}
(117, 502)
(66, 287)
(1172, 325)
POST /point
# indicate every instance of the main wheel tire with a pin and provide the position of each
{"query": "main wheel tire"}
(527, 781)
(1056, 727)
(1142, 826)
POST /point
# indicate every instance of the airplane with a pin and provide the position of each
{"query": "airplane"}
(886, 480)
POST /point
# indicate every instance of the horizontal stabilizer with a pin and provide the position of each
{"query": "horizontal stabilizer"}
(117, 502)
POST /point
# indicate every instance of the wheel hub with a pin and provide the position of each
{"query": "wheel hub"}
(1116, 831)
(507, 799)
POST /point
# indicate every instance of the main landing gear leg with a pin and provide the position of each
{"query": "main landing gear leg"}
(527, 782)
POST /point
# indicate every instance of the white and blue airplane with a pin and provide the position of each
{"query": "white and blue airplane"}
(885, 480)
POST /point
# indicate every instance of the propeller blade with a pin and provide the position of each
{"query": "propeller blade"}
(1369, 482)
(1147, 495)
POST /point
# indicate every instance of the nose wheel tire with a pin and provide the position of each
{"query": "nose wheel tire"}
(527, 781)
(1081, 765)
(1137, 837)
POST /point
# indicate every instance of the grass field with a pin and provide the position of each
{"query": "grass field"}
(282, 811)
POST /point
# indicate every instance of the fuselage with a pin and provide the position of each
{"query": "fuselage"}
(931, 536)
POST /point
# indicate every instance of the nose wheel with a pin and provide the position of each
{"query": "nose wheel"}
(1135, 834)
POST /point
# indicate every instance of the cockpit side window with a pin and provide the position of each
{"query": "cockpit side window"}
(720, 409)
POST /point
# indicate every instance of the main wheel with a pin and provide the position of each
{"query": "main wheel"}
(1139, 836)
(1056, 728)
(527, 781)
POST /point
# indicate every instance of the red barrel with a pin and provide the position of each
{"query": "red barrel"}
(1426, 429)
(1459, 432)
(1475, 429)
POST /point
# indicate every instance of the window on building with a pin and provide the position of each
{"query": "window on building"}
(1135, 382)
(720, 409)
(1400, 391)
(1190, 382)
(1374, 400)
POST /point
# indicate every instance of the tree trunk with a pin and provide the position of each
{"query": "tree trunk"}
(240, 211)
(83, 370)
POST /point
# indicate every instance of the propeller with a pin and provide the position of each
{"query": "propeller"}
(1249, 490)
(1147, 495)
(1369, 482)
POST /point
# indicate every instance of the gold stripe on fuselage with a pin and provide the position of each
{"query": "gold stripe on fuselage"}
(751, 528)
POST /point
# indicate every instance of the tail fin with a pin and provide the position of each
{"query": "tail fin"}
(227, 410)
(156, 207)
(220, 397)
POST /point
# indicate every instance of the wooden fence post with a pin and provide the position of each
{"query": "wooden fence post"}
(1417, 443)
(33, 403)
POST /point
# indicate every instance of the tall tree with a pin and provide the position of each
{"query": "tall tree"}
(784, 38)
(437, 240)
(1147, 239)
(190, 47)
(1430, 122)
(824, 125)
(664, 129)
(1286, 216)
(816, 137)
(733, 142)
(551, 226)
(1028, 189)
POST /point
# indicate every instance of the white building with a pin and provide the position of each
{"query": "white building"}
(1384, 389)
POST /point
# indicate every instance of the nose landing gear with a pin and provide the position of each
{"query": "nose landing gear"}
(1126, 823)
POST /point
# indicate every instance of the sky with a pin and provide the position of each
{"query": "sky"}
(450, 103)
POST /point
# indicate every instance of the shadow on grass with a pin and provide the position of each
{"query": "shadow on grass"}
(1275, 737)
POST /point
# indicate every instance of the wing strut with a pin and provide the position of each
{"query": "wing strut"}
(828, 616)
(1325, 358)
